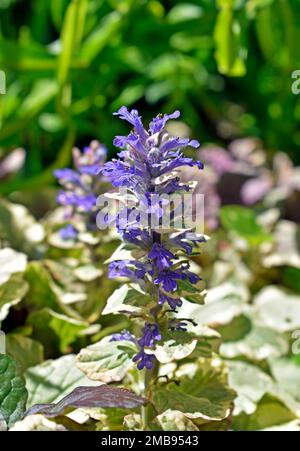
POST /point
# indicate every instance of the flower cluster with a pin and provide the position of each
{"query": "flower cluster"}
(80, 189)
(149, 166)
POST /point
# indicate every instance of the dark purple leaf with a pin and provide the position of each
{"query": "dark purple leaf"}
(102, 396)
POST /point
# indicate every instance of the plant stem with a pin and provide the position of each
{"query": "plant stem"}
(150, 375)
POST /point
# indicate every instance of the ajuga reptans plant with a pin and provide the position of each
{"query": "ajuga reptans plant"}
(81, 186)
(158, 266)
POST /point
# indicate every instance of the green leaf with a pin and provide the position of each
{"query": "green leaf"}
(25, 351)
(259, 343)
(202, 394)
(222, 304)
(127, 299)
(44, 292)
(13, 394)
(31, 56)
(58, 8)
(278, 309)
(291, 426)
(286, 252)
(50, 326)
(287, 375)
(133, 422)
(107, 361)
(96, 42)
(11, 293)
(129, 96)
(174, 420)
(177, 345)
(20, 229)
(229, 53)
(54, 379)
(184, 12)
(42, 92)
(291, 278)
(191, 292)
(71, 36)
(270, 412)
(252, 384)
(242, 221)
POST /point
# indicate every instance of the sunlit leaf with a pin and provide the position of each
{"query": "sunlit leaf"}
(278, 309)
(174, 420)
(127, 299)
(11, 293)
(258, 344)
(107, 360)
(52, 327)
(13, 394)
(201, 395)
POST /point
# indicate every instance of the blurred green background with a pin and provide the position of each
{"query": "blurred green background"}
(226, 64)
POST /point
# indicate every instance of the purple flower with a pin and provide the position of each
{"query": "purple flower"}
(178, 162)
(141, 269)
(148, 167)
(168, 279)
(173, 186)
(173, 302)
(87, 202)
(134, 119)
(91, 159)
(68, 233)
(120, 141)
(67, 198)
(121, 174)
(150, 335)
(159, 121)
(93, 169)
(162, 257)
(81, 186)
(125, 335)
(187, 240)
(67, 175)
(193, 278)
(120, 269)
(152, 153)
(152, 203)
(135, 236)
(144, 360)
(178, 143)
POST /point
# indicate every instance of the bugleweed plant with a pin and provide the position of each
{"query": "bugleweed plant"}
(81, 186)
(164, 360)
(158, 258)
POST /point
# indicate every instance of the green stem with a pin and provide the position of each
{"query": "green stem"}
(150, 376)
